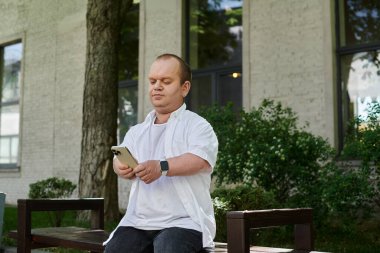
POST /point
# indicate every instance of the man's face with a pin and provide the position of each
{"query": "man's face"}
(165, 89)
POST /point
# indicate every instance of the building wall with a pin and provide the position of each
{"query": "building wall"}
(288, 57)
(54, 39)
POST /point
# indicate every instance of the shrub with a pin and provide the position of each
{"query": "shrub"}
(363, 135)
(52, 188)
(345, 192)
(239, 198)
(266, 147)
(363, 143)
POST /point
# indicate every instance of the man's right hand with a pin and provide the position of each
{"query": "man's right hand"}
(123, 170)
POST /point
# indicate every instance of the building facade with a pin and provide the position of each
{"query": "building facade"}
(286, 50)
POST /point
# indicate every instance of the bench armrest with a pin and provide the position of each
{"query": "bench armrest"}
(239, 224)
(25, 207)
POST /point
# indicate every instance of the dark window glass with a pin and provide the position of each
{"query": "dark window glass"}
(10, 62)
(201, 92)
(214, 51)
(230, 89)
(360, 22)
(215, 33)
(129, 45)
(128, 71)
(127, 116)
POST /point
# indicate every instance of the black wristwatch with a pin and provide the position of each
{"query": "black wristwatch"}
(164, 167)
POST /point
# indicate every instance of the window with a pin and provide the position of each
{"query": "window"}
(358, 59)
(214, 51)
(128, 71)
(10, 71)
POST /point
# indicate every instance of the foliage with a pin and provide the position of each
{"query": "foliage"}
(239, 198)
(265, 147)
(363, 143)
(52, 187)
(341, 202)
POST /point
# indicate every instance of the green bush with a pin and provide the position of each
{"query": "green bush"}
(239, 198)
(346, 193)
(363, 135)
(267, 147)
(52, 187)
(362, 143)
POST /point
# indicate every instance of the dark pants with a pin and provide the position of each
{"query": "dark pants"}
(168, 240)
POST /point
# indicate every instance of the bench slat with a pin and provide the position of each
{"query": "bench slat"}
(222, 248)
(67, 237)
(72, 237)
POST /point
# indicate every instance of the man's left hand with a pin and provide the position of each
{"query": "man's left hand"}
(148, 171)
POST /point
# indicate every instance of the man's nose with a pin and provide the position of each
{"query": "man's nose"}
(158, 85)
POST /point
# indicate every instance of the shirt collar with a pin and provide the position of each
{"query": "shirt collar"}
(152, 115)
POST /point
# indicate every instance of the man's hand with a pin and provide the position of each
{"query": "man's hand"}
(122, 170)
(148, 171)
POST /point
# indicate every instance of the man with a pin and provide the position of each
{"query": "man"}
(170, 208)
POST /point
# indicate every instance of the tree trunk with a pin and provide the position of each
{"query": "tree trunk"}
(97, 178)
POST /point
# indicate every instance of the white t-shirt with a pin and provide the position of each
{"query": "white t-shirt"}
(185, 132)
(158, 205)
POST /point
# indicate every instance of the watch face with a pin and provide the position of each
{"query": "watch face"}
(164, 167)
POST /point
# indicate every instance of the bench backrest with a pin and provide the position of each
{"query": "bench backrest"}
(239, 224)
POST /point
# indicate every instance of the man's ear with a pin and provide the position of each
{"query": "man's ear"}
(186, 88)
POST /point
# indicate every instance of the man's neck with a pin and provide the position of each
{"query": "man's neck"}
(161, 118)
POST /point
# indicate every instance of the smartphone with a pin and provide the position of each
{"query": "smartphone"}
(124, 156)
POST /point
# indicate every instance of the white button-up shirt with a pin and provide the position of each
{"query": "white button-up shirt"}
(186, 132)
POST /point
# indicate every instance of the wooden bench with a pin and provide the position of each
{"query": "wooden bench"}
(239, 224)
(89, 239)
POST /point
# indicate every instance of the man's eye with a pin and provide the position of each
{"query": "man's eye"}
(152, 81)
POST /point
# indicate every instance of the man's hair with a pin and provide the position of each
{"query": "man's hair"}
(185, 70)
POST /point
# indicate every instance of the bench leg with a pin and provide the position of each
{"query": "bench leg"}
(303, 237)
(24, 240)
(237, 236)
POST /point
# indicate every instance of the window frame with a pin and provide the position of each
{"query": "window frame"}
(340, 52)
(13, 167)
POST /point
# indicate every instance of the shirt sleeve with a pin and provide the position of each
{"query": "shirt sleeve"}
(203, 142)
(129, 140)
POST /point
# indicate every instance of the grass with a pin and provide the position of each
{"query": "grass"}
(352, 238)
